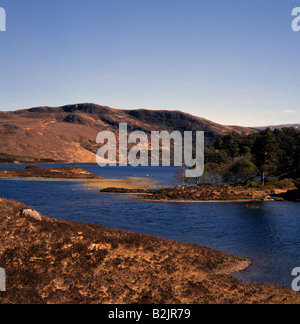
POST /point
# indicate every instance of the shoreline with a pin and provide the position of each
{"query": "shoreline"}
(201, 194)
(141, 184)
(85, 263)
(66, 172)
(147, 190)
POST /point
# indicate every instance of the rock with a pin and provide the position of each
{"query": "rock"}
(125, 191)
(32, 213)
(291, 195)
(75, 119)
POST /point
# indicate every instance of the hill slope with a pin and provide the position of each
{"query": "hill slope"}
(68, 133)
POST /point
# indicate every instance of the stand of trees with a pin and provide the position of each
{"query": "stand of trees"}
(240, 158)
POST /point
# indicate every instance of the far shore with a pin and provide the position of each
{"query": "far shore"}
(90, 180)
(32, 171)
(146, 189)
(207, 194)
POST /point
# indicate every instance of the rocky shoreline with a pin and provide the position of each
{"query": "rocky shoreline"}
(220, 192)
(291, 195)
(127, 191)
(32, 171)
(208, 193)
(54, 261)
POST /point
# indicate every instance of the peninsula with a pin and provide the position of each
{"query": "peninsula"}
(64, 262)
(209, 193)
(32, 171)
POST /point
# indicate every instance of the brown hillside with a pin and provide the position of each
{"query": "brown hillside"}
(69, 133)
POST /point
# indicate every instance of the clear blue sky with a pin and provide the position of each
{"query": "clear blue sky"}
(233, 61)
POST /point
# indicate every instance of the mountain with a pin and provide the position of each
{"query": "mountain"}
(297, 126)
(68, 133)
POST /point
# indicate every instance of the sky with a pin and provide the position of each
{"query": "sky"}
(234, 62)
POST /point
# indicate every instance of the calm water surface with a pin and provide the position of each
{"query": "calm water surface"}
(266, 232)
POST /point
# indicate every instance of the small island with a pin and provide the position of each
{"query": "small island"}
(220, 192)
(32, 171)
(213, 193)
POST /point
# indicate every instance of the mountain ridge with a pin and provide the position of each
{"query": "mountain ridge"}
(68, 133)
(281, 126)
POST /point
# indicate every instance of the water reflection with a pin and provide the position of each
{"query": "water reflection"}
(254, 204)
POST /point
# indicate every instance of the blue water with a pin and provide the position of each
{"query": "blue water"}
(266, 232)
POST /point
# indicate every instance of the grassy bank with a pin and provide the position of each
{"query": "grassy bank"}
(53, 261)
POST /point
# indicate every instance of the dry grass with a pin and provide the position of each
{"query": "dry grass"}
(131, 183)
(52, 261)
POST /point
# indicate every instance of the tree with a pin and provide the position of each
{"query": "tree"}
(210, 178)
(296, 164)
(289, 142)
(274, 153)
(180, 175)
(230, 143)
(241, 171)
(265, 152)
